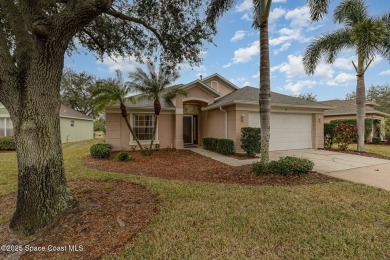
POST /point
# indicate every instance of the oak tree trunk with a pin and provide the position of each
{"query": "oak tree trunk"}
(42, 190)
(360, 104)
(265, 91)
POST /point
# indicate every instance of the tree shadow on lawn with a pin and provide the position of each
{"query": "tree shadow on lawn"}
(109, 215)
(187, 165)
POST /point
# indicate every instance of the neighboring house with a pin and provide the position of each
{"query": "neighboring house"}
(75, 126)
(214, 107)
(346, 109)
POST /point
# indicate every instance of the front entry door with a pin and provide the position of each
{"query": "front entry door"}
(188, 129)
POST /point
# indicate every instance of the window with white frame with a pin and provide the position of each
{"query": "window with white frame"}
(143, 126)
(6, 127)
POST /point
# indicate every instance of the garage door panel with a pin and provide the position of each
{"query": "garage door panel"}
(288, 131)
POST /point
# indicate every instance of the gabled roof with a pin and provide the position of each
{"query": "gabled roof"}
(348, 107)
(227, 82)
(69, 112)
(203, 86)
(250, 95)
(146, 104)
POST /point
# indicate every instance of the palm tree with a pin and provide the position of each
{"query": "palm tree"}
(367, 35)
(154, 85)
(261, 15)
(113, 91)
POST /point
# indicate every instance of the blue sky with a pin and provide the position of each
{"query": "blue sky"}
(236, 54)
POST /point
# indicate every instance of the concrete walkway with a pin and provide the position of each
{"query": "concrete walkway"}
(360, 169)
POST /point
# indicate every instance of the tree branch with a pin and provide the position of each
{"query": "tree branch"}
(96, 41)
(125, 17)
(368, 64)
(354, 65)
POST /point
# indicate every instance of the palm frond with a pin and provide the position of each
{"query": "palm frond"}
(350, 12)
(328, 46)
(385, 51)
(318, 9)
(369, 36)
(175, 91)
(216, 9)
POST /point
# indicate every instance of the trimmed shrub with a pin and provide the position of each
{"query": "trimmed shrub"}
(376, 140)
(100, 151)
(329, 134)
(251, 140)
(368, 123)
(210, 143)
(7, 143)
(225, 146)
(284, 166)
(387, 129)
(157, 147)
(345, 134)
(123, 157)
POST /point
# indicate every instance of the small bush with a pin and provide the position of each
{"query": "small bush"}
(133, 148)
(387, 129)
(329, 134)
(345, 134)
(368, 123)
(7, 143)
(100, 151)
(225, 146)
(123, 157)
(157, 147)
(284, 166)
(376, 140)
(250, 140)
(210, 143)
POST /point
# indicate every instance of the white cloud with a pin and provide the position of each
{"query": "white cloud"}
(342, 79)
(279, 1)
(125, 64)
(247, 17)
(300, 17)
(283, 48)
(243, 55)
(245, 5)
(344, 63)
(384, 73)
(238, 36)
(299, 85)
(257, 75)
(276, 13)
(294, 68)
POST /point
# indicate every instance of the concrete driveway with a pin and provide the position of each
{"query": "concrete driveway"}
(360, 169)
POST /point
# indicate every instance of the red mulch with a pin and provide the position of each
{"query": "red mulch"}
(109, 215)
(240, 156)
(367, 154)
(187, 165)
(7, 151)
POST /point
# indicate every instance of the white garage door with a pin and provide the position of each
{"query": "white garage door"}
(288, 131)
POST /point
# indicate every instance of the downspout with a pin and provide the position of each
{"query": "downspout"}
(226, 121)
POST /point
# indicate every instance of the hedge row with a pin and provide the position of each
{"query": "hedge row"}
(223, 146)
(7, 143)
(284, 166)
(251, 140)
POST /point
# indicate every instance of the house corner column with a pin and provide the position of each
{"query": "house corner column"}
(318, 131)
(179, 142)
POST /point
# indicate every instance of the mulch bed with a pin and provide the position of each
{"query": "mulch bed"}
(109, 215)
(187, 165)
(367, 154)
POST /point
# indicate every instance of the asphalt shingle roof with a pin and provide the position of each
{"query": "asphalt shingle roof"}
(252, 94)
(345, 107)
(66, 111)
(145, 103)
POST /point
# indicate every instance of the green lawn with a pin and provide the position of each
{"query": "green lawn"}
(208, 220)
(379, 149)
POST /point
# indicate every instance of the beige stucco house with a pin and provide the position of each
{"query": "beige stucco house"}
(214, 107)
(346, 109)
(75, 126)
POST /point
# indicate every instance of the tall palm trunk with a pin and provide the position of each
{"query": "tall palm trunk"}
(360, 104)
(265, 90)
(124, 115)
(154, 131)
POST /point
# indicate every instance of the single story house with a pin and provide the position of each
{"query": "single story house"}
(346, 109)
(215, 107)
(75, 126)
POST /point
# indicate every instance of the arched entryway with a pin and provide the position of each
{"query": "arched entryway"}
(192, 121)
